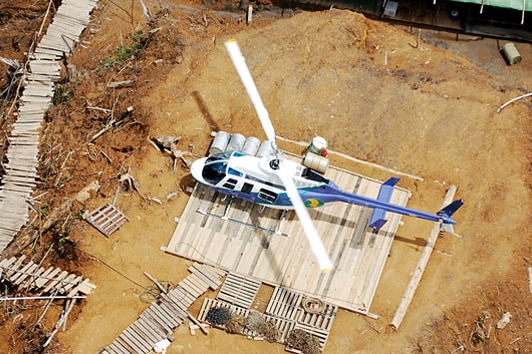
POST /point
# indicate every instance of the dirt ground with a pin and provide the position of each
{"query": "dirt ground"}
(428, 109)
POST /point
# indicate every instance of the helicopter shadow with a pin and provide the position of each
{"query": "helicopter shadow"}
(418, 241)
(187, 184)
(205, 111)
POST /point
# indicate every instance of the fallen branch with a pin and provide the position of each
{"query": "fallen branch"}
(118, 84)
(129, 181)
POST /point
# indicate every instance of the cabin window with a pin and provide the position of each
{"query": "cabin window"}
(247, 188)
(214, 172)
(231, 183)
(234, 172)
(267, 195)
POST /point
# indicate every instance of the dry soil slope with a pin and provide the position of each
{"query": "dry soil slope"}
(366, 88)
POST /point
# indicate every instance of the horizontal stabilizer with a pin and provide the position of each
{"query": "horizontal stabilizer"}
(378, 220)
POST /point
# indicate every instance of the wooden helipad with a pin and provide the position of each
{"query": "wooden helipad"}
(252, 244)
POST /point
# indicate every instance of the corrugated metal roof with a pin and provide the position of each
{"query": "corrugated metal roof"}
(509, 4)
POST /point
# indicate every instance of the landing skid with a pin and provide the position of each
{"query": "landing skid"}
(256, 227)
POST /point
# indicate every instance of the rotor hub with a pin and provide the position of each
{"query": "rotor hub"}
(274, 164)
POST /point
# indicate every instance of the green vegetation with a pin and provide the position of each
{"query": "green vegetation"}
(125, 52)
(61, 95)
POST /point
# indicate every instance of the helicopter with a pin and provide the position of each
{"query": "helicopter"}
(280, 183)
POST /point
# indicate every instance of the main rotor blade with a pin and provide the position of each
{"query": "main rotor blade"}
(316, 245)
(243, 71)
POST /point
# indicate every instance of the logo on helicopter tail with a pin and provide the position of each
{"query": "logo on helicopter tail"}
(313, 203)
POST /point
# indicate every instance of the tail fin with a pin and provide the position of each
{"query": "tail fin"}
(447, 212)
(377, 220)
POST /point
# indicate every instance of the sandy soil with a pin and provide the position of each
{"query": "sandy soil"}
(429, 110)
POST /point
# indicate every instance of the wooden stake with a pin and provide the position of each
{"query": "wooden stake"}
(197, 323)
(420, 268)
(250, 14)
(530, 278)
(159, 285)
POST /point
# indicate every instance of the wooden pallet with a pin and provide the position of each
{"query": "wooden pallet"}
(321, 335)
(209, 303)
(106, 219)
(239, 290)
(317, 324)
(208, 274)
(284, 303)
(322, 320)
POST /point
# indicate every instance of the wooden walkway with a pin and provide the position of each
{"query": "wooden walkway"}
(161, 318)
(43, 72)
(52, 281)
(358, 253)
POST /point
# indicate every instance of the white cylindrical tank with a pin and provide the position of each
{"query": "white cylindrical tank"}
(316, 162)
(251, 146)
(318, 143)
(236, 142)
(219, 144)
(511, 54)
(265, 149)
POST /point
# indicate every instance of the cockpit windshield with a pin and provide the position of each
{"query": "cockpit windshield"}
(215, 168)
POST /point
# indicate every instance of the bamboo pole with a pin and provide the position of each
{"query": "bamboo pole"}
(41, 298)
(523, 12)
(355, 160)
(420, 268)
(62, 320)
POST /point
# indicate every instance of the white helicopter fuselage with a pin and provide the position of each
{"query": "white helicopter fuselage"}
(253, 178)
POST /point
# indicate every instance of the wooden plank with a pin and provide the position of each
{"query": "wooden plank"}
(139, 340)
(200, 282)
(30, 283)
(173, 311)
(147, 337)
(153, 332)
(148, 321)
(26, 272)
(128, 344)
(56, 282)
(156, 320)
(191, 287)
(15, 266)
(115, 348)
(181, 298)
(156, 308)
